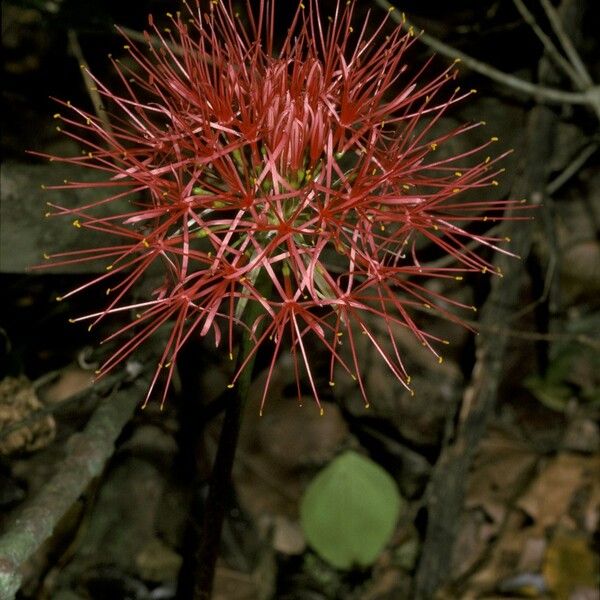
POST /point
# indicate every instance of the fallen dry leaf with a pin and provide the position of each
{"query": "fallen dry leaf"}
(548, 499)
(569, 564)
(19, 403)
(502, 465)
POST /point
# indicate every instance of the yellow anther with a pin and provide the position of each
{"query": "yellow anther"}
(494, 182)
(321, 412)
(458, 278)
(455, 190)
(145, 243)
(56, 115)
(493, 139)
(126, 47)
(507, 239)
(230, 385)
(458, 173)
(440, 360)
(77, 224)
(332, 383)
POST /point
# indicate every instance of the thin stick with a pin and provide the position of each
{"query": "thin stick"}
(566, 43)
(572, 168)
(549, 46)
(592, 91)
(90, 85)
(539, 91)
(138, 36)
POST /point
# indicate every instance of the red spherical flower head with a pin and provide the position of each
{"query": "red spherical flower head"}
(291, 184)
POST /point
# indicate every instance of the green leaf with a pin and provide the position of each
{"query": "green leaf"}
(553, 395)
(349, 511)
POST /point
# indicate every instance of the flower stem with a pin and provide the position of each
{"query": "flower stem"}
(214, 511)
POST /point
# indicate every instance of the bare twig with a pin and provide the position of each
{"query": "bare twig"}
(551, 50)
(146, 38)
(584, 340)
(87, 453)
(90, 85)
(572, 168)
(566, 43)
(592, 91)
(540, 92)
(446, 491)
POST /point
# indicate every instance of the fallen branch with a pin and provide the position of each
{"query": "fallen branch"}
(86, 455)
(447, 488)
